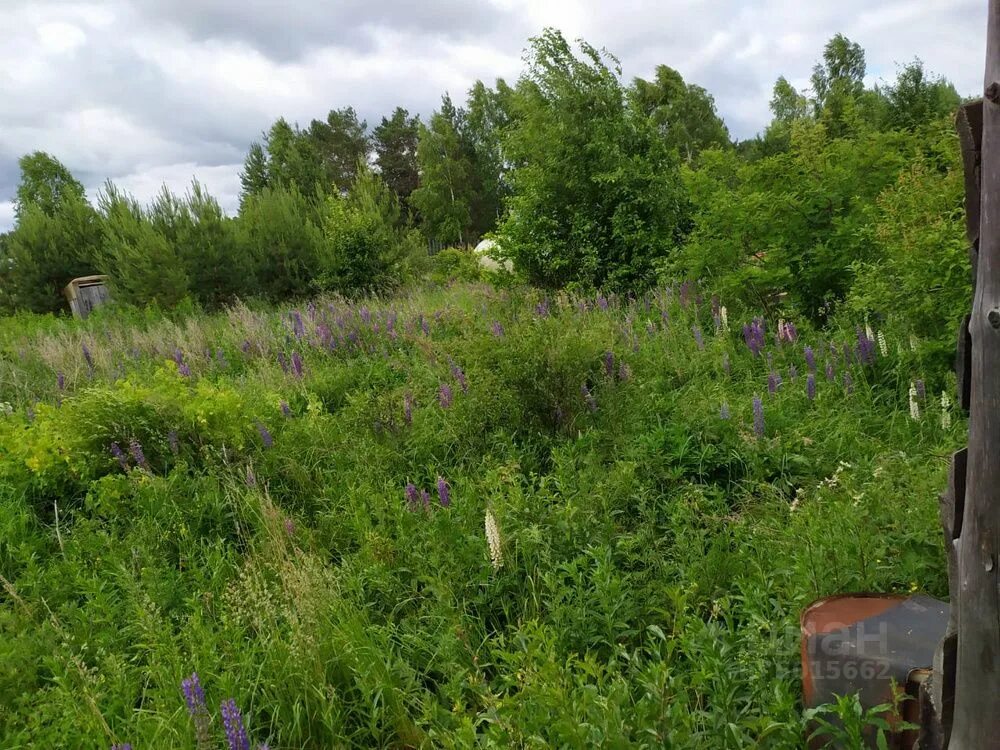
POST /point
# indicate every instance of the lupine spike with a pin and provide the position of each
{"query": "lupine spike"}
(758, 416)
(444, 492)
(236, 733)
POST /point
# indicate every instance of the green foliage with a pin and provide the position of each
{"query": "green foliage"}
(48, 249)
(366, 247)
(654, 556)
(142, 265)
(341, 143)
(596, 197)
(288, 158)
(394, 141)
(278, 229)
(46, 184)
(455, 264)
(445, 194)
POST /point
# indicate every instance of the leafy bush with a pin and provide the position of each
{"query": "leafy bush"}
(455, 264)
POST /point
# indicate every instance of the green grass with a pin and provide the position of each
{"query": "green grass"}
(655, 557)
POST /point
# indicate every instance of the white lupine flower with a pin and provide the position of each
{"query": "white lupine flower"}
(6, 409)
(868, 332)
(882, 345)
(945, 411)
(724, 314)
(493, 539)
(914, 406)
(913, 343)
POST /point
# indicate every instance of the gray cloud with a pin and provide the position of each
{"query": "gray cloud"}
(146, 92)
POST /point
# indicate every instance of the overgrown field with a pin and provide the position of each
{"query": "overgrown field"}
(461, 516)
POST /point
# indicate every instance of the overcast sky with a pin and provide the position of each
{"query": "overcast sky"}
(148, 92)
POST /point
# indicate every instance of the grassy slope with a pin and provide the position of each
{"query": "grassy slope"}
(655, 555)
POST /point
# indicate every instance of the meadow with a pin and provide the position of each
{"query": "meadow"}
(459, 516)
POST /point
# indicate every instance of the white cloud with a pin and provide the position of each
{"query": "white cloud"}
(143, 91)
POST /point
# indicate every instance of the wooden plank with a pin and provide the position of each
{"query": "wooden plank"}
(963, 364)
(977, 662)
(969, 124)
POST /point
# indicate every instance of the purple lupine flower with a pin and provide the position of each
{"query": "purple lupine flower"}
(444, 492)
(726, 367)
(445, 396)
(60, 381)
(236, 734)
(588, 398)
(366, 315)
(184, 370)
(119, 454)
(425, 499)
(412, 495)
(247, 346)
(265, 436)
(698, 338)
(289, 527)
(542, 309)
(716, 306)
(684, 293)
(793, 372)
(791, 333)
(286, 409)
(758, 416)
(921, 389)
(89, 358)
(457, 373)
(724, 411)
(135, 449)
(283, 362)
(122, 746)
(297, 364)
(829, 370)
(178, 356)
(624, 372)
(408, 408)
(865, 347)
(848, 382)
(810, 356)
(298, 328)
(251, 478)
(311, 310)
(773, 381)
(602, 302)
(425, 326)
(665, 317)
(194, 697)
(609, 364)
(811, 386)
(497, 329)
(220, 358)
(753, 336)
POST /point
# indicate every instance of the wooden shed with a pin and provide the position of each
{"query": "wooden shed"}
(85, 293)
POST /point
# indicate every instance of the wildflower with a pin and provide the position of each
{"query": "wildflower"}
(251, 478)
(184, 370)
(773, 381)
(789, 332)
(945, 411)
(61, 381)
(123, 746)
(497, 329)
(810, 356)
(602, 302)
(724, 316)
(758, 416)
(624, 372)
(685, 293)
(914, 406)
(726, 367)
(289, 527)
(698, 339)
(609, 364)
(542, 309)
(137, 455)
(914, 341)
(220, 358)
(265, 436)
(297, 364)
(119, 454)
(882, 345)
(408, 408)
(424, 326)
(88, 358)
(493, 539)
(236, 734)
(811, 387)
(848, 382)
(829, 370)
(866, 347)
(444, 492)
(283, 362)
(588, 397)
(457, 373)
(724, 411)
(868, 331)
(297, 327)
(412, 495)
(753, 335)
(921, 390)
(445, 396)
(194, 697)
(793, 372)
(715, 305)
(286, 409)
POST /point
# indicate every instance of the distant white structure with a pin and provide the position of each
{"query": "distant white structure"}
(485, 251)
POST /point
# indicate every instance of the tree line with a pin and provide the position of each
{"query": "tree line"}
(849, 198)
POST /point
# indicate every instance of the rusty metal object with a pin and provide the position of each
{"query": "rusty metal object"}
(874, 645)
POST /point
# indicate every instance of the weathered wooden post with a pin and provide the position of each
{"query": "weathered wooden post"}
(963, 707)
